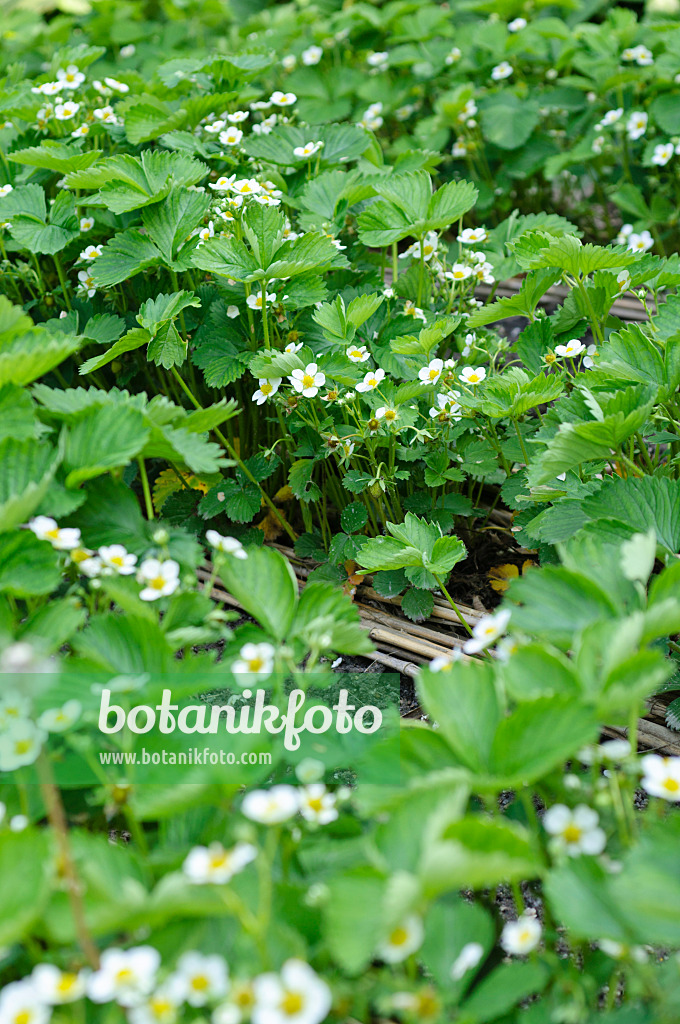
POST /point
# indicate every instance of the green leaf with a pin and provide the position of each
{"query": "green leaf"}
(101, 440)
(54, 155)
(128, 182)
(555, 604)
(324, 610)
(26, 471)
(464, 703)
(474, 852)
(354, 517)
(36, 230)
(126, 254)
(407, 207)
(28, 867)
(134, 339)
(354, 917)
(504, 988)
(417, 605)
(523, 303)
(265, 586)
(507, 120)
(169, 223)
(28, 566)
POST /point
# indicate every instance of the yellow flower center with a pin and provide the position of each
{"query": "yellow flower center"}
(390, 414)
(434, 374)
(23, 1017)
(157, 583)
(160, 1007)
(671, 785)
(398, 936)
(53, 534)
(373, 382)
(525, 936)
(292, 1003)
(474, 377)
(200, 983)
(244, 997)
(266, 389)
(315, 804)
(255, 664)
(22, 746)
(117, 560)
(66, 983)
(124, 976)
(572, 834)
(218, 859)
(308, 380)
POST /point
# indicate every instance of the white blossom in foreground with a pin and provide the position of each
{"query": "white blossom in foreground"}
(45, 528)
(65, 111)
(472, 236)
(576, 831)
(317, 804)
(371, 381)
(266, 389)
(663, 153)
(70, 77)
(431, 373)
(636, 125)
(572, 349)
(255, 301)
(214, 865)
(521, 936)
(57, 987)
(283, 99)
(162, 1006)
(661, 776)
(640, 242)
(86, 223)
(487, 631)
(161, 578)
(5, 190)
(60, 719)
(255, 660)
(225, 545)
(205, 978)
(501, 71)
(425, 251)
(90, 252)
(308, 150)
(124, 975)
(86, 283)
(231, 136)
(402, 940)
(312, 55)
(610, 118)
(358, 354)
(308, 381)
(517, 24)
(116, 558)
(472, 374)
(20, 1003)
(271, 806)
(467, 959)
(20, 745)
(296, 995)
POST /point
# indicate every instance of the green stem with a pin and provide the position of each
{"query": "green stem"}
(521, 442)
(395, 263)
(237, 459)
(63, 282)
(265, 325)
(145, 488)
(452, 602)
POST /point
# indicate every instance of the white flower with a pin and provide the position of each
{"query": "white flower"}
(255, 301)
(358, 354)
(469, 110)
(14, 707)
(310, 769)
(18, 823)
(86, 223)
(65, 111)
(161, 578)
(226, 545)
(70, 77)
(317, 804)
(309, 149)
(617, 950)
(472, 952)
(571, 349)
(297, 995)
(128, 51)
(232, 312)
(288, 62)
(501, 71)
(429, 248)
(471, 236)
(246, 187)
(641, 242)
(312, 55)
(117, 86)
(598, 143)
(48, 88)
(255, 660)
(271, 806)
(292, 347)
(231, 137)
(205, 978)
(237, 1006)
(458, 272)
(56, 987)
(453, 56)
(105, 115)
(624, 234)
(431, 373)
(404, 939)
(238, 117)
(214, 127)
(521, 936)
(20, 745)
(662, 153)
(517, 24)
(266, 389)
(472, 375)
(46, 528)
(91, 252)
(387, 413)
(486, 631)
(459, 148)
(20, 1003)
(206, 232)
(60, 719)
(576, 831)
(636, 125)
(442, 663)
(308, 381)
(370, 381)
(101, 88)
(640, 54)
(162, 1006)
(224, 183)
(86, 283)
(118, 559)
(378, 60)
(283, 99)
(661, 776)
(213, 865)
(610, 118)
(126, 975)
(5, 190)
